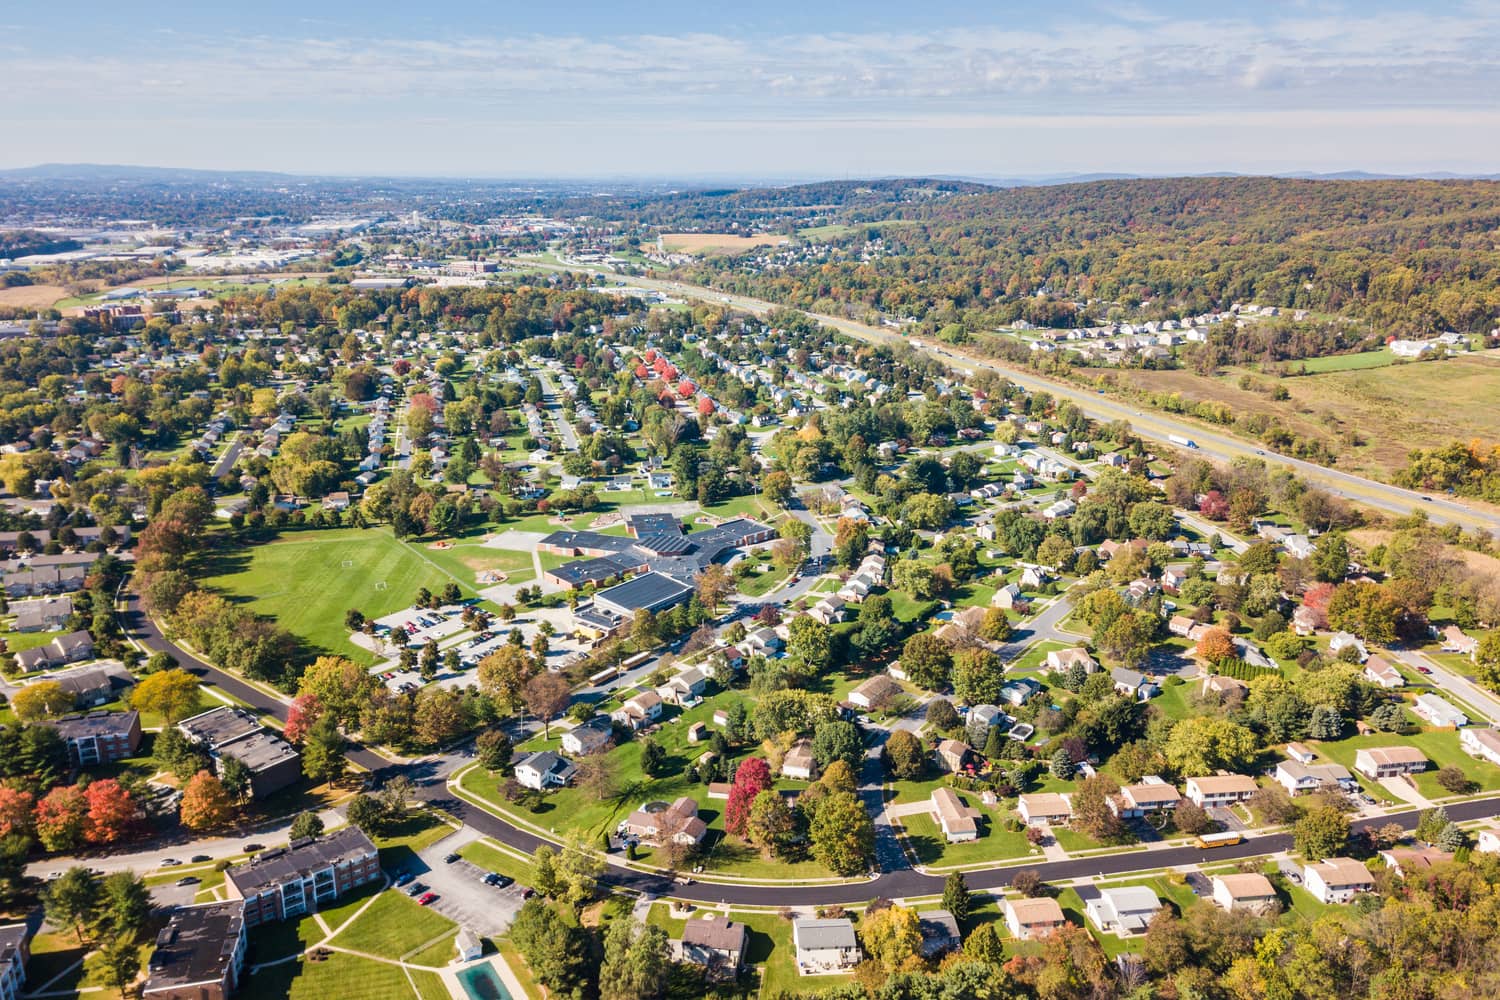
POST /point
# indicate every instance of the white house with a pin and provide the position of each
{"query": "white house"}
(1033, 918)
(1247, 891)
(1379, 670)
(1045, 808)
(1059, 661)
(544, 770)
(958, 821)
(1123, 910)
(1481, 743)
(589, 737)
(1344, 640)
(1389, 762)
(1297, 777)
(1337, 880)
(1213, 790)
(825, 946)
(1150, 795)
(1436, 711)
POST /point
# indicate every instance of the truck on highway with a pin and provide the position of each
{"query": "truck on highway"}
(1185, 442)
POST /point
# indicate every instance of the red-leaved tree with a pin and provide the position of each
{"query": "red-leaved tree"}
(301, 715)
(751, 778)
(61, 817)
(111, 811)
(16, 812)
(1214, 506)
(1316, 599)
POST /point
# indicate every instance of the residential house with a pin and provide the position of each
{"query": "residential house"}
(93, 684)
(958, 821)
(1244, 891)
(678, 822)
(1434, 710)
(544, 770)
(65, 649)
(234, 734)
(1488, 841)
(1305, 620)
(1045, 808)
(639, 711)
(1389, 762)
(303, 876)
(47, 614)
(1150, 795)
(1008, 596)
(684, 689)
(1060, 661)
(1029, 919)
(1481, 743)
(952, 755)
(199, 954)
(829, 611)
(1337, 880)
(1455, 641)
(940, 932)
(1298, 778)
(1345, 640)
(588, 737)
(1123, 910)
(986, 715)
(1215, 790)
(875, 692)
(1409, 861)
(799, 762)
(1033, 578)
(1379, 670)
(1222, 685)
(825, 946)
(717, 944)
(1019, 691)
(1134, 684)
(1180, 625)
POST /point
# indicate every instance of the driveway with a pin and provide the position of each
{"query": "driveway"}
(1405, 790)
(461, 896)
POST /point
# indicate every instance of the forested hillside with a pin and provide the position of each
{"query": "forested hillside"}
(1406, 256)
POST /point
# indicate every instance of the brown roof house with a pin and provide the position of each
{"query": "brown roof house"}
(1246, 891)
(958, 821)
(717, 944)
(656, 822)
(1033, 918)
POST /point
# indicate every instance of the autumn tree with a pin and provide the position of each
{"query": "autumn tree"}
(714, 585)
(892, 937)
(17, 816)
(172, 694)
(111, 811)
(770, 824)
(62, 817)
(752, 777)
(926, 659)
(1091, 812)
(547, 696)
(205, 804)
(842, 834)
(1216, 645)
(41, 700)
(301, 715)
(503, 675)
(904, 754)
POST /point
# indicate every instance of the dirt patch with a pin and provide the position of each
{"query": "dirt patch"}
(441, 545)
(719, 242)
(32, 296)
(1368, 538)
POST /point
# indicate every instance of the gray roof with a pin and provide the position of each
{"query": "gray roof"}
(12, 937)
(77, 727)
(816, 935)
(649, 591)
(196, 946)
(719, 933)
(219, 726)
(299, 859)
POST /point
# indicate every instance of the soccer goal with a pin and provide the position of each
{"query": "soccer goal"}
(380, 585)
(348, 564)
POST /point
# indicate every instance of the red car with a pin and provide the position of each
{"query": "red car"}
(1423, 670)
(426, 898)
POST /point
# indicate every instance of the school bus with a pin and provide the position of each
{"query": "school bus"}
(1226, 839)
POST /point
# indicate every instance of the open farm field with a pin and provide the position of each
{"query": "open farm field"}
(32, 296)
(1391, 409)
(718, 242)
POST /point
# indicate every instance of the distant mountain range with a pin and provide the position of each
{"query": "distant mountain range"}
(96, 173)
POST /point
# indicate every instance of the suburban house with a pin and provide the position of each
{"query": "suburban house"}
(1305, 620)
(303, 876)
(1379, 670)
(939, 932)
(717, 943)
(99, 737)
(1297, 777)
(1044, 809)
(1222, 686)
(958, 821)
(639, 711)
(1246, 891)
(1007, 597)
(1059, 661)
(1434, 710)
(64, 649)
(1019, 691)
(588, 737)
(825, 946)
(684, 689)
(15, 952)
(1133, 684)
(951, 755)
(93, 684)
(1341, 641)
(1481, 743)
(1407, 861)
(875, 692)
(1033, 918)
(544, 770)
(234, 734)
(47, 614)
(1488, 841)
(199, 954)
(1214, 790)
(1456, 641)
(1389, 762)
(679, 822)
(1150, 795)
(1337, 880)
(1180, 625)
(1123, 910)
(799, 762)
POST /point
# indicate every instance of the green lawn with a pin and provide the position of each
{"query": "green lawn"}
(437, 954)
(1344, 362)
(340, 975)
(301, 580)
(496, 860)
(400, 844)
(1441, 747)
(925, 840)
(469, 557)
(393, 926)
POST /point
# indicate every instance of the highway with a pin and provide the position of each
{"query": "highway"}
(1159, 427)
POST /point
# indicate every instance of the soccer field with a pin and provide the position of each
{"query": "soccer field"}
(309, 579)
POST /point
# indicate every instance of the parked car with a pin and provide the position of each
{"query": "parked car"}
(1423, 670)
(415, 889)
(404, 878)
(528, 892)
(426, 898)
(169, 862)
(188, 880)
(252, 848)
(450, 859)
(503, 881)
(199, 859)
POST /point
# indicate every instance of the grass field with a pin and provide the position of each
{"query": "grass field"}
(393, 926)
(341, 975)
(1345, 362)
(718, 242)
(306, 580)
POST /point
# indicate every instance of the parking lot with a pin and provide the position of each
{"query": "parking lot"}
(462, 896)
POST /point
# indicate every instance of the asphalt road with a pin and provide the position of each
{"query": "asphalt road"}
(1159, 427)
(430, 778)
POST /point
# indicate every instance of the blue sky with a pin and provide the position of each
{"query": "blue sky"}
(755, 89)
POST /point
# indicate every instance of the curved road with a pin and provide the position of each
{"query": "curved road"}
(902, 883)
(1157, 426)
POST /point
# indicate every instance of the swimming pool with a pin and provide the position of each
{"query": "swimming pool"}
(481, 983)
